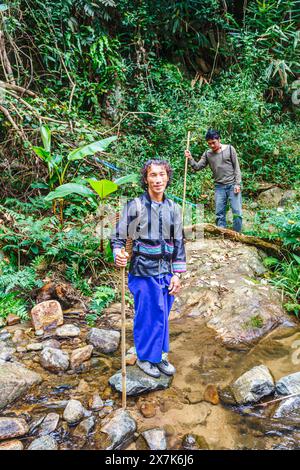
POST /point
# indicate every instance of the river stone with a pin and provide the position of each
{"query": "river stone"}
(44, 443)
(138, 382)
(15, 380)
(271, 197)
(289, 408)
(106, 341)
(12, 319)
(6, 353)
(12, 427)
(288, 197)
(156, 439)
(289, 384)
(34, 347)
(120, 428)
(68, 331)
(81, 355)
(253, 385)
(11, 445)
(54, 360)
(95, 402)
(84, 428)
(49, 424)
(73, 412)
(51, 343)
(47, 315)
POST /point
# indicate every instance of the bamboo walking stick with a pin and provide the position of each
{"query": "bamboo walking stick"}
(185, 174)
(123, 335)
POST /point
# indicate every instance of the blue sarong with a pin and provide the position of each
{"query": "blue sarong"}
(152, 304)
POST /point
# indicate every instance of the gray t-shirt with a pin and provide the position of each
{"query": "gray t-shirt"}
(224, 165)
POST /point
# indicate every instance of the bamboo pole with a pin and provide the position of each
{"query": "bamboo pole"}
(123, 335)
(185, 175)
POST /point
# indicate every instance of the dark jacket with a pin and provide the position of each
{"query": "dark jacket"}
(156, 231)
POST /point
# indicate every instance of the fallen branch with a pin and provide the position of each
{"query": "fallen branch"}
(274, 401)
(19, 89)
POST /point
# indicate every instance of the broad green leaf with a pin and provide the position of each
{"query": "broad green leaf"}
(69, 188)
(46, 138)
(91, 149)
(103, 187)
(133, 178)
(42, 153)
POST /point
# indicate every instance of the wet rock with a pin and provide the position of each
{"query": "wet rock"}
(106, 410)
(81, 355)
(49, 424)
(195, 397)
(11, 445)
(21, 349)
(15, 381)
(130, 359)
(95, 402)
(106, 341)
(148, 409)
(83, 387)
(74, 412)
(120, 429)
(54, 360)
(44, 443)
(39, 332)
(4, 335)
(12, 427)
(253, 385)
(156, 439)
(19, 337)
(138, 382)
(289, 384)
(271, 197)
(12, 319)
(211, 395)
(6, 353)
(47, 315)
(34, 347)
(289, 408)
(68, 331)
(194, 442)
(51, 343)
(84, 428)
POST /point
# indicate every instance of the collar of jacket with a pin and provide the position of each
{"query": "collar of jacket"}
(147, 196)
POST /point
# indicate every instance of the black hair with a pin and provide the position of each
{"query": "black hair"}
(147, 165)
(212, 134)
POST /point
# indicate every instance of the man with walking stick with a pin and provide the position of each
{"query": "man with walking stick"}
(225, 167)
(154, 224)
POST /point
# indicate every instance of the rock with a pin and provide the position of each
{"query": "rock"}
(39, 332)
(34, 347)
(130, 359)
(120, 429)
(67, 331)
(106, 341)
(289, 408)
(11, 445)
(12, 319)
(288, 197)
(54, 360)
(156, 439)
(289, 384)
(4, 335)
(106, 410)
(21, 349)
(12, 427)
(84, 428)
(211, 395)
(253, 385)
(15, 381)
(51, 343)
(148, 410)
(6, 353)
(95, 402)
(81, 355)
(138, 382)
(19, 337)
(73, 412)
(194, 442)
(47, 315)
(2, 322)
(44, 443)
(49, 424)
(195, 397)
(83, 387)
(270, 198)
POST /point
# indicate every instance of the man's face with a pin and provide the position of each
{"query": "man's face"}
(214, 144)
(157, 179)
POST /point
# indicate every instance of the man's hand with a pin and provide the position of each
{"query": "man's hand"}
(121, 259)
(237, 189)
(175, 285)
(188, 154)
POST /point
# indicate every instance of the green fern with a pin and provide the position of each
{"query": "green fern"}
(10, 303)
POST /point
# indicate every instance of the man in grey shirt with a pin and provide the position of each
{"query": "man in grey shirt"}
(223, 161)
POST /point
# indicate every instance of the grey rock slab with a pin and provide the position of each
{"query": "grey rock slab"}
(120, 428)
(138, 382)
(67, 331)
(44, 443)
(49, 424)
(12, 427)
(289, 384)
(15, 381)
(106, 341)
(54, 359)
(253, 385)
(156, 439)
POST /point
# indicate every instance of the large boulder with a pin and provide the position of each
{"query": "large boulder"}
(12, 427)
(253, 385)
(54, 360)
(120, 429)
(15, 381)
(138, 382)
(289, 384)
(105, 341)
(47, 315)
(271, 197)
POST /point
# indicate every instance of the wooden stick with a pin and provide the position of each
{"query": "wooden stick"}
(277, 399)
(185, 174)
(123, 336)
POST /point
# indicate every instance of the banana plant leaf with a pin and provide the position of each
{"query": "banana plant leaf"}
(46, 138)
(69, 188)
(42, 153)
(103, 187)
(91, 149)
(132, 178)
